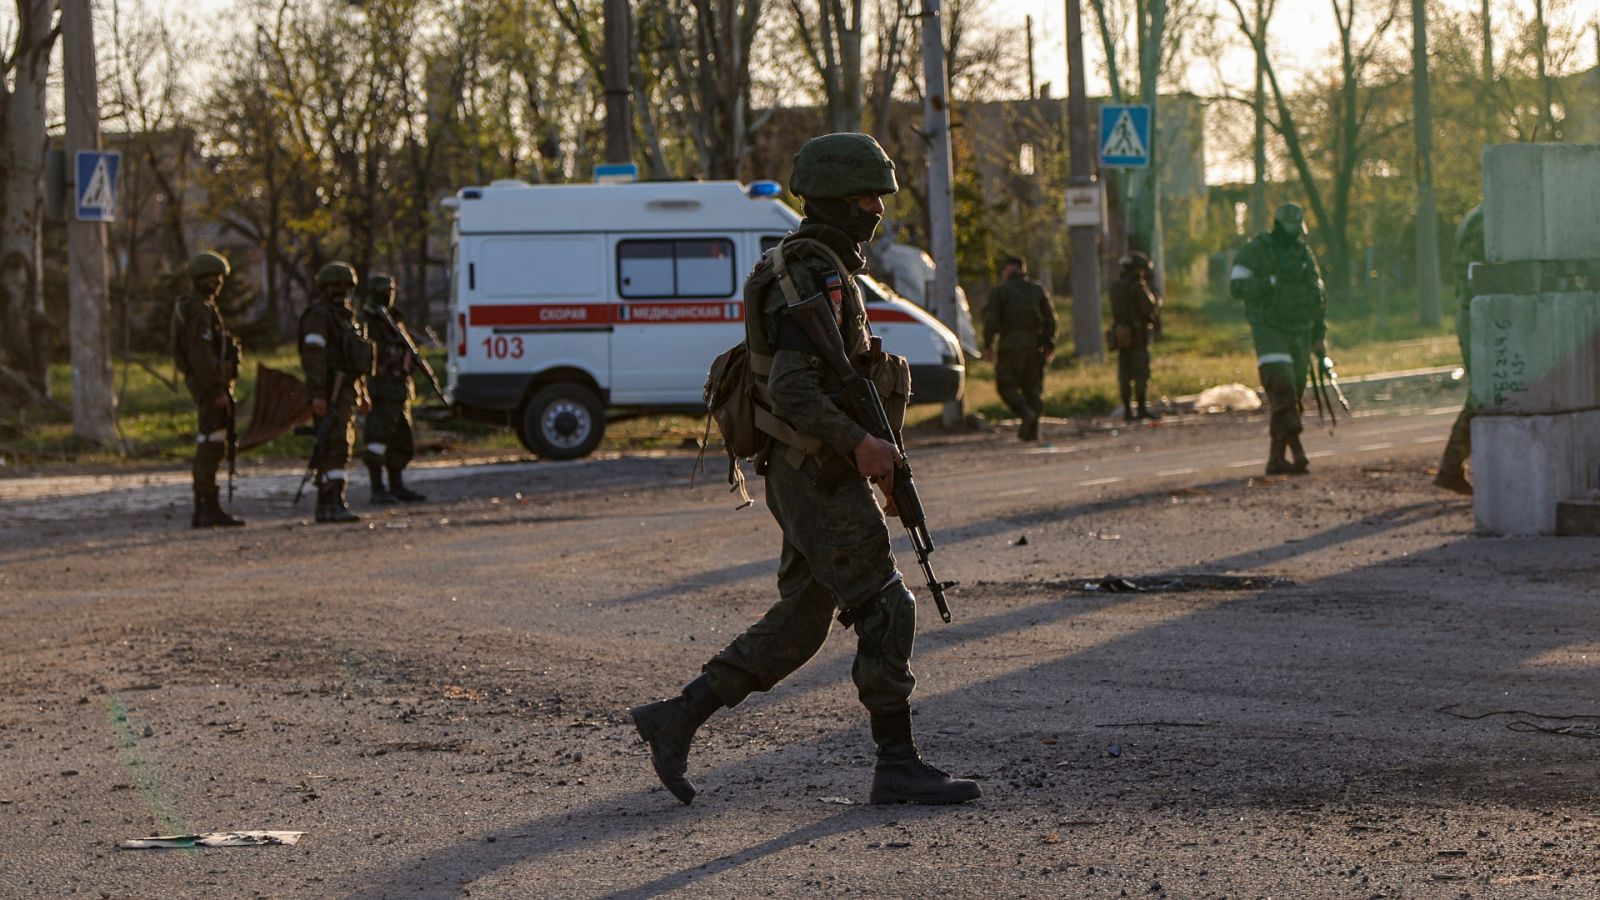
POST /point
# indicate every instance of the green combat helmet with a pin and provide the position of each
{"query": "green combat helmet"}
(207, 264)
(842, 165)
(336, 275)
(1291, 217)
(380, 289)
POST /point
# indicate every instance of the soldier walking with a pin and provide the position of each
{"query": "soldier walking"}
(337, 358)
(1135, 310)
(836, 557)
(1020, 319)
(208, 358)
(1276, 276)
(388, 430)
(1469, 249)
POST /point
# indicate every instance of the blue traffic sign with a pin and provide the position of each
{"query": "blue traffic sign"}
(616, 173)
(1124, 136)
(96, 185)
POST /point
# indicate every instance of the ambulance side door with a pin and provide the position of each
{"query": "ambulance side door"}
(677, 307)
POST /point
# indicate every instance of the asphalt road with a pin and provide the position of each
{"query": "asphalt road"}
(438, 696)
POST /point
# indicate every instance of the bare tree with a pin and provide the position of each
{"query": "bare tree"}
(25, 331)
(829, 33)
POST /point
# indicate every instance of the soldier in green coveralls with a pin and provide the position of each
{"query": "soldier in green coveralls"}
(337, 358)
(836, 557)
(1020, 319)
(1277, 278)
(1469, 249)
(388, 431)
(208, 358)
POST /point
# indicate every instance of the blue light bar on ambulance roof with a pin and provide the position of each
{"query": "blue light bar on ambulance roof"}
(759, 189)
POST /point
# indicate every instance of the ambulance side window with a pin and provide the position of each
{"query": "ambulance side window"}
(675, 268)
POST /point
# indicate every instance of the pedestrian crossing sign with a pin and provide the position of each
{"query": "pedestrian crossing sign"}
(1124, 136)
(96, 186)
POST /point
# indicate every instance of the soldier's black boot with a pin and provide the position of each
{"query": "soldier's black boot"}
(1144, 412)
(197, 520)
(381, 496)
(668, 726)
(331, 505)
(1127, 403)
(1277, 462)
(214, 516)
(1030, 428)
(1301, 464)
(902, 776)
(397, 487)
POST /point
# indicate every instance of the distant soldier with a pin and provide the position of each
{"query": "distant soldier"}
(337, 358)
(1020, 319)
(208, 357)
(1277, 278)
(388, 431)
(1135, 310)
(1469, 249)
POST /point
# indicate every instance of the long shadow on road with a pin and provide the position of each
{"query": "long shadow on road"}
(1331, 642)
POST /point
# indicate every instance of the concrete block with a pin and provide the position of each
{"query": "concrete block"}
(1536, 354)
(1578, 517)
(1523, 467)
(1541, 201)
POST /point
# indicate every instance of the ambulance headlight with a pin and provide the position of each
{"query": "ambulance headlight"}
(759, 189)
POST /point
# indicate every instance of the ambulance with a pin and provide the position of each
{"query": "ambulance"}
(571, 304)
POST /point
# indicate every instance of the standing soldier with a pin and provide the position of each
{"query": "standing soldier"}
(388, 431)
(336, 357)
(1469, 249)
(1135, 309)
(836, 556)
(208, 356)
(1019, 316)
(1276, 276)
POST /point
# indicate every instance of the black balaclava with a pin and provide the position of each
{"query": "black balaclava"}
(845, 215)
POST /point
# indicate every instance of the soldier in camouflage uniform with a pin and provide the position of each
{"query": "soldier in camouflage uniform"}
(1469, 249)
(1277, 278)
(388, 432)
(1020, 319)
(334, 350)
(1135, 312)
(208, 357)
(836, 557)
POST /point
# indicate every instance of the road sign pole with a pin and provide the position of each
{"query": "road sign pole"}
(1086, 340)
(94, 411)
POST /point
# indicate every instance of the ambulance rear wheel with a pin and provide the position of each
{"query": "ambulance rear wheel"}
(563, 421)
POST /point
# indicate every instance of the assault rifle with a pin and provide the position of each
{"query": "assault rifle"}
(1324, 379)
(814, 316)
(422, 361)
(324, 430)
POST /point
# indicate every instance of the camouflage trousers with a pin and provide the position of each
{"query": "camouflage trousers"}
(1284, 361)
(388, 432)
(211, 443)
(835, 557)
(1019, 376)
(335, 454)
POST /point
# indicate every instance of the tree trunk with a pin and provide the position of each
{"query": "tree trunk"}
(1258, 188)
(1427, 217)
(24, 330)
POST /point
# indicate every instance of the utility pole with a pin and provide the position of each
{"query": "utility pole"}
(618, 83)
(941, 195)
(1427, 214)
(94, 406)
(1033, 84)
(1085, 239)
(1258, 187)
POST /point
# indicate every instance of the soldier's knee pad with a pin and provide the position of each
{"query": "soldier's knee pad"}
(886, 625)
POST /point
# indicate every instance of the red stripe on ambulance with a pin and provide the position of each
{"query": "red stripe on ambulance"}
(543, 315)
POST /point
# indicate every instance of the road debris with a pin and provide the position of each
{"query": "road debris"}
(215, 839)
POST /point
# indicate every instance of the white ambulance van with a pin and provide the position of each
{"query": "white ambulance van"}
(570, 304)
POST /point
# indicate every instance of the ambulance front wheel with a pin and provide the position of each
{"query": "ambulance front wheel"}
(563, 421)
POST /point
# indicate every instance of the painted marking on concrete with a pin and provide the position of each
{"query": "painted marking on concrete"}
(1319, 454)
(1426, 440)
(1095, 481)
(1053, 449)
(1244, 464)
(1381, 445)
(1176, 472)
(1018, 493)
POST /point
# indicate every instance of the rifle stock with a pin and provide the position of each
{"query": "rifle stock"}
(814, 316)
